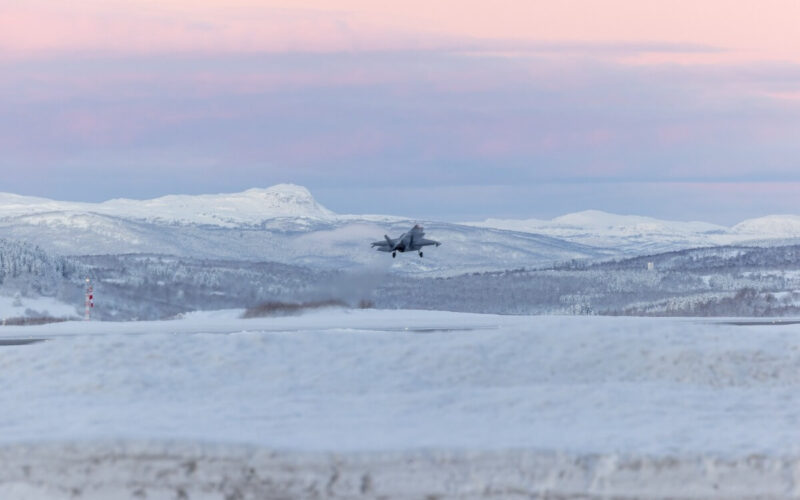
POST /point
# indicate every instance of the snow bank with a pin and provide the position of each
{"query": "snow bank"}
(17, 307)
(401, 404)
(158, 471)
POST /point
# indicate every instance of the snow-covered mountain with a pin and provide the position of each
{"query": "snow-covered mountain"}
(250, 207)
(771, 226)
(282, 223)
(631, 234)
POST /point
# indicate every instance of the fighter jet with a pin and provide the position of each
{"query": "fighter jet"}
(407, 242)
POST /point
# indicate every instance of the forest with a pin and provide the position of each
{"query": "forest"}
(760, 281)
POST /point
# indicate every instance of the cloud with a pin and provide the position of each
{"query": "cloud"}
(630, 30)
(102, 126)
(36, 29)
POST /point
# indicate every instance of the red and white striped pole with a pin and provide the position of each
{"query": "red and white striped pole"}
(89, 299)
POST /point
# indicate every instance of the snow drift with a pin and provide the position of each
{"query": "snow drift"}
(401, 404)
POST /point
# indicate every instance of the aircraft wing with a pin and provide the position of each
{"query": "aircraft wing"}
(386, 244)
(425, 242)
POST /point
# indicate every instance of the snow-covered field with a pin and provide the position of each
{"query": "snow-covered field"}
(400, 404)
(17, 307)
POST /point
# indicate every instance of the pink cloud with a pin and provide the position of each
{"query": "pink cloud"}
(171, 26)
(787, 95)
(745, 31)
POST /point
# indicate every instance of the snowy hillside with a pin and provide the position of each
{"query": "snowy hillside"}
(330, 245)
(632, 234)
(280, 224)
(247, 208)
(773, 226)
(761, 281)
(285, 224)
(250, 207)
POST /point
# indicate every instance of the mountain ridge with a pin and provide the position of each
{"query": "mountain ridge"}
(281, 224)
(256, 205)
(284, 223)
(249, 207)
(638, 234)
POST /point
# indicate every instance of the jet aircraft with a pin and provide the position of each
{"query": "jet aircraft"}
(410, 241)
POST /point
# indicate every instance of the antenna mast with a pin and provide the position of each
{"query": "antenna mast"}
(89, 300)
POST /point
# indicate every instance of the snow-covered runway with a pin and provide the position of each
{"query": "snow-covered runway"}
(400, 404)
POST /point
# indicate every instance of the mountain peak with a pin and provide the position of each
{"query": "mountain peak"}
(285, 200)
(281, 189)
(227, 209)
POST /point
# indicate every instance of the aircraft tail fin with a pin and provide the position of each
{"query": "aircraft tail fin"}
(389, 241)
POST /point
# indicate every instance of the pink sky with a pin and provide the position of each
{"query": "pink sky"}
(232, 94)
(743, 30)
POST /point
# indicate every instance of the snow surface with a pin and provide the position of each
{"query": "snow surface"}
(402, 404)
(17, 307)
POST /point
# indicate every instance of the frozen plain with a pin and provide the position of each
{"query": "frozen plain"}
(400, 404)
